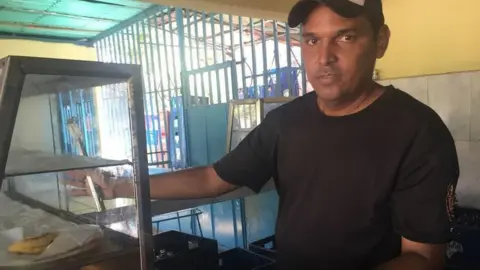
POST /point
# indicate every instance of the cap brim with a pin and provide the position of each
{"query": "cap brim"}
(301, 10)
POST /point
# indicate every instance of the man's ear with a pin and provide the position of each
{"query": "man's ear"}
(383, 38)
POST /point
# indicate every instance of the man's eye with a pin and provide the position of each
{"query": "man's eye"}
(347, 38)
(312, 41)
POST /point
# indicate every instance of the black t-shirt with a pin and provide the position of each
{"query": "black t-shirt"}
(351, 186)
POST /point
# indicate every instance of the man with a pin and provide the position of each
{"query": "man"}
(365, 174)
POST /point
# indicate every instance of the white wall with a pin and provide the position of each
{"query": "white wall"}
(456, 98)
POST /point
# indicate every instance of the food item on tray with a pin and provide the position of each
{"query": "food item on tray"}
(33, 245)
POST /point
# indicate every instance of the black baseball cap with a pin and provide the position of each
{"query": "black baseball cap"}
(371, 9)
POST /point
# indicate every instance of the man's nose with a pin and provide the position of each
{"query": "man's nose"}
(326, 54)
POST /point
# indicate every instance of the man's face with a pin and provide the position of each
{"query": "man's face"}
(339, 53)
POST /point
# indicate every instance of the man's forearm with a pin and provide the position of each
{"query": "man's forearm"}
(410, 261)
(193, 183)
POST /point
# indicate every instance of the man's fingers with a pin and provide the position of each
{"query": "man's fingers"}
(78, 192)
(74, 183)
(78, 174)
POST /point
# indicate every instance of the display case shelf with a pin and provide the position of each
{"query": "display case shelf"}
(27, 162)
(113, 243)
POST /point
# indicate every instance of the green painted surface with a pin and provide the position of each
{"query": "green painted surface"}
(71, 19)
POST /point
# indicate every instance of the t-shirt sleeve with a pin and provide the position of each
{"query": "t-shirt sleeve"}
(424, 195)
(253, 162)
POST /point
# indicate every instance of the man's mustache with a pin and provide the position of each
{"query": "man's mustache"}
(327, 72)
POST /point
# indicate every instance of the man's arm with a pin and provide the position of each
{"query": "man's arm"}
(424, 197)
(252, 163)
(196, 183)
(418, 256)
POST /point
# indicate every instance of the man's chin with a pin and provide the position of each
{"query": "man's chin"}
(329, 95)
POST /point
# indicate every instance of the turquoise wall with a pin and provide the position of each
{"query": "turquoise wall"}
(207, 133)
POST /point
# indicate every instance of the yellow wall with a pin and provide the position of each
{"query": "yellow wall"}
(45, 49)
(431, 37)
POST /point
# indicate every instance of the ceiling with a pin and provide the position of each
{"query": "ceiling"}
(64, 20)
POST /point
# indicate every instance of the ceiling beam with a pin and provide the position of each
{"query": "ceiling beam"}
(46, 27)
(46, 12)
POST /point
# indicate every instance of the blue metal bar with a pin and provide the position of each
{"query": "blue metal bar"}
(233, 68)
(217, 72)
(64, 122)
(167, 69)
(121, 36)
(234, 217)
(118, 44)
(91, 118)
(71, 115)
(113, 48)
(265, 63)
(155, 89)
(179, 223)
(225, 71)
(84, 122)
(63, 127)
(167, 62)
(254, 56)
(244, 223)
(135, 53)
(120, 111)
(242, 55)
(183, 69)
(187, 77)
(179, 21)
(105, 90)
(189, 32)
(277, 59)
(147, 80)
(212, 220)
(162, 92)
(126, 58)
(124, 35)
(289, 59)
(304, 75)
(150, 110)
(195, 23)
(204, 25)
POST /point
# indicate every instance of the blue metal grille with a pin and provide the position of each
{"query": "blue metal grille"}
(78, 104)
(192, 60)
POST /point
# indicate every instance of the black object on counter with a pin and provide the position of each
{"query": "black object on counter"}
(241, 259)
(266, 247)
(180, 251)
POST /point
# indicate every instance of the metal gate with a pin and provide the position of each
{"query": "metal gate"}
(193, 59)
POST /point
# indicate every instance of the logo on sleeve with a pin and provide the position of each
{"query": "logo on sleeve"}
(451, 202)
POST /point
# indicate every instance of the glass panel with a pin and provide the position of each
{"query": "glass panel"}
(71, 141)
(244, 119)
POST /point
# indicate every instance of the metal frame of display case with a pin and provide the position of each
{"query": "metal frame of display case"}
(13, 71)
(260, 112)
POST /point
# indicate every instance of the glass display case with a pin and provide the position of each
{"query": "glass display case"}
(56, 213)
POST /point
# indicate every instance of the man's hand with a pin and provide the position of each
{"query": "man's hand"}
(78, 186)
